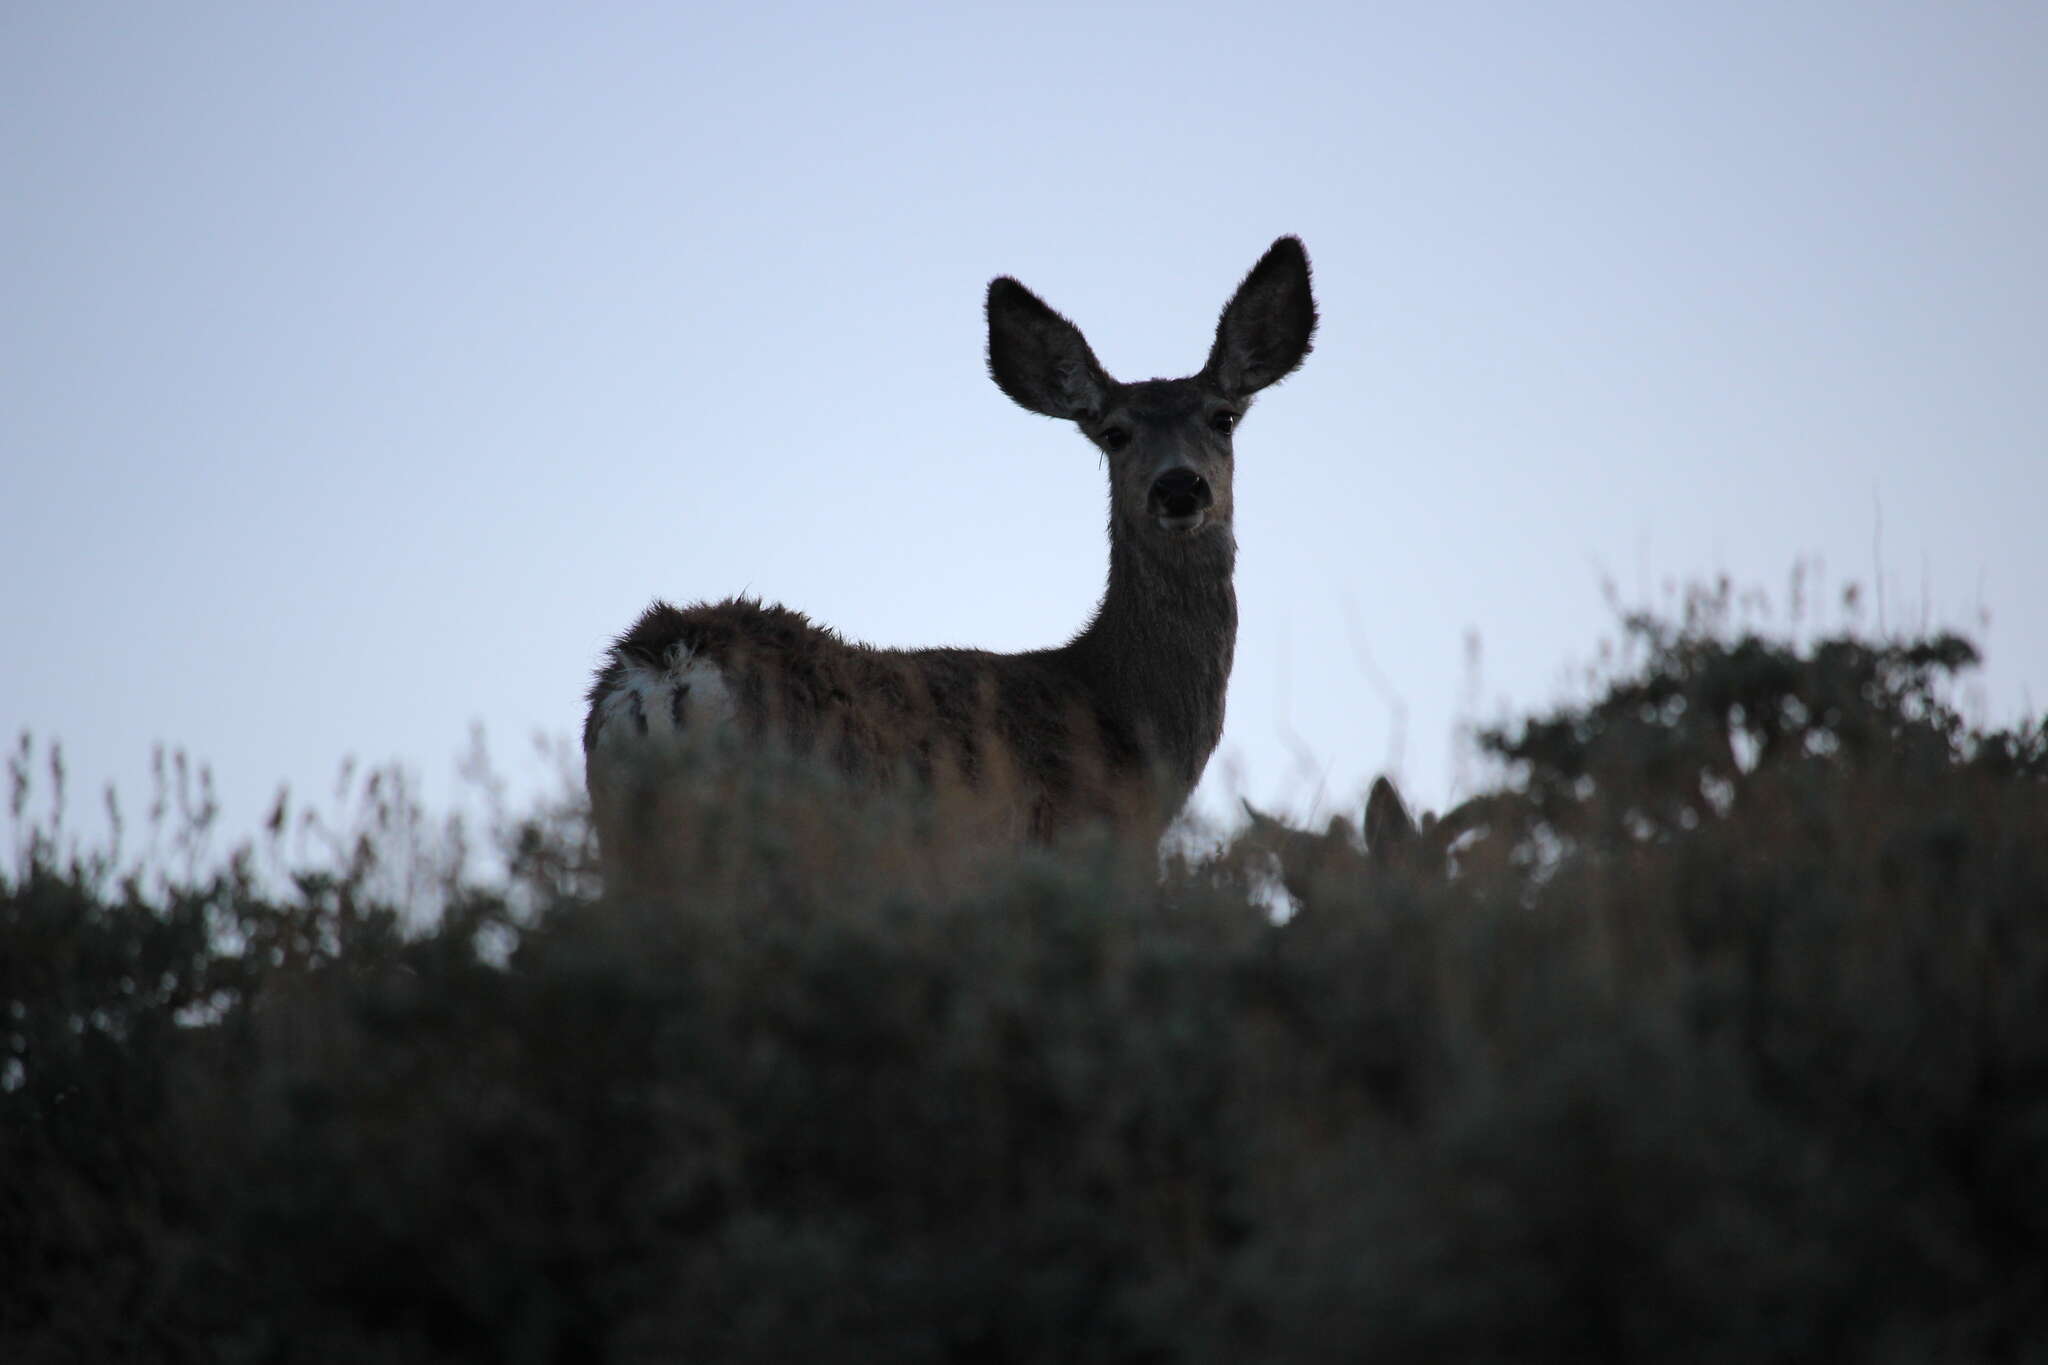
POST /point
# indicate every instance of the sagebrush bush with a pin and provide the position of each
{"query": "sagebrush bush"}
(1724, 1036)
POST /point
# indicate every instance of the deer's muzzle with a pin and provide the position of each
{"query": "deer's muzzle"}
(1179, 498)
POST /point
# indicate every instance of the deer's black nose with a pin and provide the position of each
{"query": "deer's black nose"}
(1180, 493)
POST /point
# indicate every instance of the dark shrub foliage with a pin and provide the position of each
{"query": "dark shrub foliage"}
(1722, 1036)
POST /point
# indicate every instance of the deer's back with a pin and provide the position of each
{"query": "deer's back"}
(1017, 744)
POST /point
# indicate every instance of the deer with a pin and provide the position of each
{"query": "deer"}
(1109, 732)
(1315, 867)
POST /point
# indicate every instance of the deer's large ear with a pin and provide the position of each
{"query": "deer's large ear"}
(1039, 358)
(1388, 827)
(1262, 823)
(1267, 326)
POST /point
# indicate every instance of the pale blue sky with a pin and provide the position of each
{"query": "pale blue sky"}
(364, 367)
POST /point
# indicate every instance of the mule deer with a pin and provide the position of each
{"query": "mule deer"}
(1397, 838)
(1315, 868)
(1111, 729)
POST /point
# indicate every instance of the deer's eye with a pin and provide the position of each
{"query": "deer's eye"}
(1224, 421)
(1116, 438)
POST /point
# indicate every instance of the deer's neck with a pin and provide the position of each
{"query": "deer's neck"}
(1157, 655)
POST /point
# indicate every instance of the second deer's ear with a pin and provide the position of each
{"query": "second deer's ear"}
(1039, 358)
(1267, 326)
(1262, 823)
(1388, 826)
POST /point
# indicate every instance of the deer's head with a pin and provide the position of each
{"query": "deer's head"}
(1168, 441)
